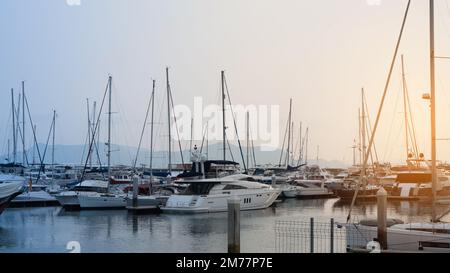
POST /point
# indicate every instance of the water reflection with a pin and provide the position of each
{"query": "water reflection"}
(49, 229)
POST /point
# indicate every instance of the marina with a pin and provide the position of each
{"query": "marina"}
(319, 151)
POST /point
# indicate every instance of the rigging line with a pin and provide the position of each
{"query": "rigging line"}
(6, 131)
(411, 119)
(229, 148)
(382, 101)
(45, 149)
(388, 140)
(33, 130)
(176, 126)
(204, 136)
(370, 127)
(95, 132)
(235, 125)
(96, 148)
(84, 148)
(123, 119)
(143, 130)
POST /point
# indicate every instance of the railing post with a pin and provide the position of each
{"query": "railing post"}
(312, 235)
(332, 235)
(234, 223)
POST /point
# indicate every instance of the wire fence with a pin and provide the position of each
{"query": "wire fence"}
(318, 236)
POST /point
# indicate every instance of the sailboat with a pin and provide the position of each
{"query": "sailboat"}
(111, 199)
(431, 236)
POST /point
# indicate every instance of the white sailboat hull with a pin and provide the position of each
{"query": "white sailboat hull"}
(402, 239)
(102, 201)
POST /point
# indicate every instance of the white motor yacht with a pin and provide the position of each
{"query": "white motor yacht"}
(211, 195)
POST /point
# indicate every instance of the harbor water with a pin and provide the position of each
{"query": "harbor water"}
(52, 229)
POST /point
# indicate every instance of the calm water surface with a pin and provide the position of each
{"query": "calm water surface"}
(50, 229)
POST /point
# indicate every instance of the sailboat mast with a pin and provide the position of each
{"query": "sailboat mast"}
(168, 120)
(363, 138)
(433, 111)
(89, 132)
(94, 125)
(306, 145)
(23, 128)
(14, 126)
(192, 135)
(53, 144)
(151, 133)
(289, 133)
(223, 115)
(248, 139)
(405, 108)
(360, 139)
(109, 129)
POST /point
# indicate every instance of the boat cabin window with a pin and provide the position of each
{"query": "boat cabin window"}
(198, 188)
(234, 187)
(91, 189)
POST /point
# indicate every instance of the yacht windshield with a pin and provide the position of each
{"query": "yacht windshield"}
(202, 188)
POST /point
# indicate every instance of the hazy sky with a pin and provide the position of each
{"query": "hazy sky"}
(320, 53)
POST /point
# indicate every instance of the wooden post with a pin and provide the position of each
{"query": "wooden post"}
(135, 190)
(382, 217)
(234, 222)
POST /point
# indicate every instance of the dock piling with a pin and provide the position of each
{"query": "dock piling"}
(382, 217)
(234, 223)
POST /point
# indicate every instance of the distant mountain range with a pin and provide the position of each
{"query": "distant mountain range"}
(125, 155)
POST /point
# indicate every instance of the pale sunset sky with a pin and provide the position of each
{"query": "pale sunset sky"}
(319, 53)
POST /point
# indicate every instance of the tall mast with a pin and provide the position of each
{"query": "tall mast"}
(292, 144)
(207, 135)
(248, 139)
(109, 129)
(14, 126)
(168, 119)
(405, 108)
(289, 133)
(360, 139)
(89, 132)
(223, 115)
(363, 137)
(192, 135)
(433, 111)
(94, 126)
(23, 125)
(301, 147)
(306, 145)
(53, 144)
(151, 132)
